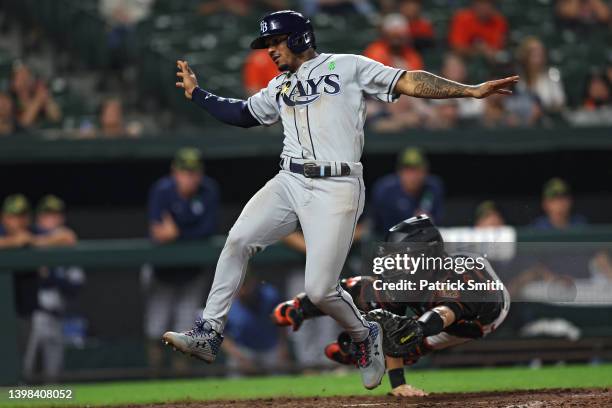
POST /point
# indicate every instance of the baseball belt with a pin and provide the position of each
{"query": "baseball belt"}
(312, 169)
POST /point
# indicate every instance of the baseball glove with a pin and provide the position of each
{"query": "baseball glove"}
(402, 336)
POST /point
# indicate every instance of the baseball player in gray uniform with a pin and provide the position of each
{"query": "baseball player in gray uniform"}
(320, 101)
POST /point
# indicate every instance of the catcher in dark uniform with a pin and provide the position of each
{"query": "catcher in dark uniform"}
(411, 327)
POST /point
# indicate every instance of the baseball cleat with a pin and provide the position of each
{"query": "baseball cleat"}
(289, 313)
(201, 341)
(370, 358)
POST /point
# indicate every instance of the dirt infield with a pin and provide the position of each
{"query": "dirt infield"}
(514, 399)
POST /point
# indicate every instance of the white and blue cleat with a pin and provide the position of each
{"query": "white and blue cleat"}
(201, 341)
(370, 358)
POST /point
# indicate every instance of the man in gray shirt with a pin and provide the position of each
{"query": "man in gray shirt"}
(320, 101)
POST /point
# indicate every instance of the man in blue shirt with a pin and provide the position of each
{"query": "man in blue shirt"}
(408, 192)
(253, 342)
(56, 288)
(41, 295)
(557, 206)
(182, 206)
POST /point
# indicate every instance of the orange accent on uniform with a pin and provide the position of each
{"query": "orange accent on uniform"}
(466, 29)
(279, 316)
(380, 51)
(258, 70)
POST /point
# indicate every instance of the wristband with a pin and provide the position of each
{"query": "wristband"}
(396, 377)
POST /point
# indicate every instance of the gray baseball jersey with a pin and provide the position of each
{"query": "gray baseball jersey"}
(322, 109)
(322, 105)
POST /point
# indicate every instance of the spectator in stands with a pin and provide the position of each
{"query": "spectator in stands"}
(421, 29)
(32, 98)
(337, 7)
(121, 17)
(478, 30)
(453, 68)
(518, 110)
(408, 192)
(8, 122)
(182, 206)
(537, 77)
(598, 92)
(444, 114)
(557, 206)
(494, 114)
(596, 109)
(394, 46)
(111, 118)
(54, 288)
(406, 113)
(124, 13)
(111, 122)
(241, 8)
(487, 215)
(15, 229)
(576, 13)
(258, 70)
(252, 342)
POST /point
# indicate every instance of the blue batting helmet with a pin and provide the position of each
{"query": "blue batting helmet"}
(301, 35)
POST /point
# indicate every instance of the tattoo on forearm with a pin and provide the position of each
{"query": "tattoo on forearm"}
(428, 85)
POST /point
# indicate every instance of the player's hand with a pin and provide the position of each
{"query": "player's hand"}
(499, 86)
(166, 230)
(188, 79)
(406, 390)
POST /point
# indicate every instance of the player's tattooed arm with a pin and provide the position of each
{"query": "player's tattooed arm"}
(422, 84)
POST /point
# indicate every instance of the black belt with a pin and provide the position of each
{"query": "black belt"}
(313, 170)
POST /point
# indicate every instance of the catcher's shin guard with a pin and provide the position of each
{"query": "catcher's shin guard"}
(289, 313)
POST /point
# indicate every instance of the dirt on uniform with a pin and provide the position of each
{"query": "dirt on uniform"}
(599, 398)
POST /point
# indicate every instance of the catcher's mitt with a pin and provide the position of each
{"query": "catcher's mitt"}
(402, 336)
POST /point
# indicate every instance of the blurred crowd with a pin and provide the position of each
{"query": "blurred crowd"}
(477, 35)
(479, 32)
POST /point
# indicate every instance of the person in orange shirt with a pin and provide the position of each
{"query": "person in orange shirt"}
(257, 72)
(394, 47)
(478, 30)
(421, 29)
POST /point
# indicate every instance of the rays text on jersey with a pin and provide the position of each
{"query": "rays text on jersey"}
(308, 91)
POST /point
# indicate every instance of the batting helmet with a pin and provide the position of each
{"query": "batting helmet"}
(301, 35)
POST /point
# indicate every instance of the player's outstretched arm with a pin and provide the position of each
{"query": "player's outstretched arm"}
(422, 84)
(231, 111)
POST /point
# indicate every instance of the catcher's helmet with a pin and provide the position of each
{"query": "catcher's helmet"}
(416, 236)
(419, 229)
(301, 35)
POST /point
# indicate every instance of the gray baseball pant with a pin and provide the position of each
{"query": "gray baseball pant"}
(327, 209)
